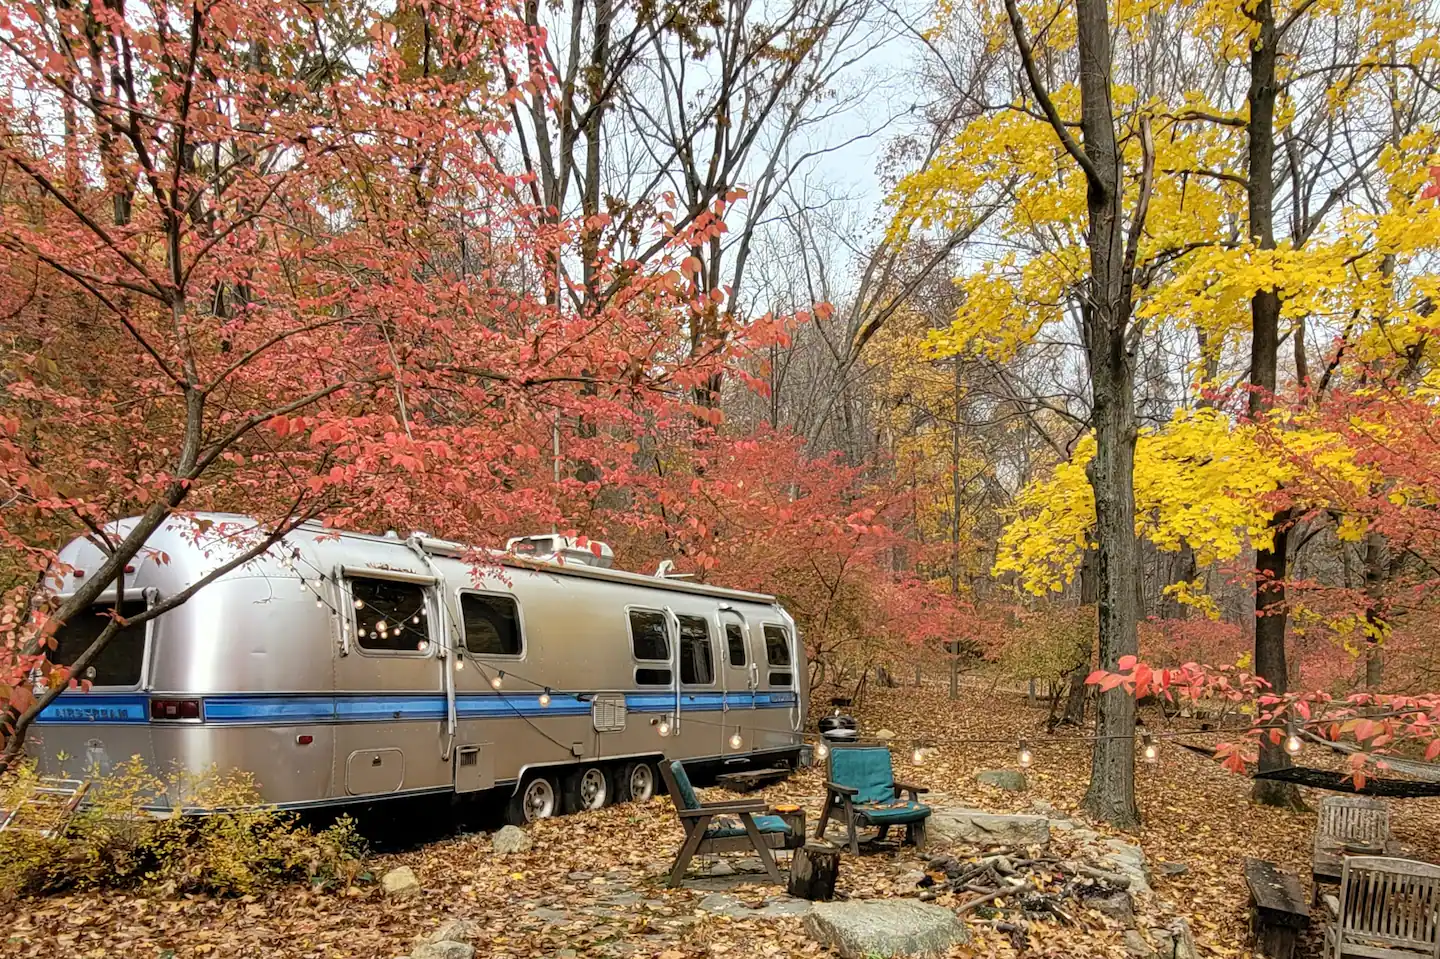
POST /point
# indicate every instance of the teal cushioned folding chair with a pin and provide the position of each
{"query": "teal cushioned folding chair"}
(716, 827)
(862, 792)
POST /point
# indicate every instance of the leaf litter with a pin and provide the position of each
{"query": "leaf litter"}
(593, 884)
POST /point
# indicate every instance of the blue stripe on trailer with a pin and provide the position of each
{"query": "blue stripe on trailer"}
(131, 708)
(83, 709)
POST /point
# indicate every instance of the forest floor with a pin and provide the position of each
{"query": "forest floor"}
(591, 885)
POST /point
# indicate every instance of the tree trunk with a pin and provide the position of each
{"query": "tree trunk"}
(814, 870)
(1270, 564)
(1075, 700)
(1377, 571)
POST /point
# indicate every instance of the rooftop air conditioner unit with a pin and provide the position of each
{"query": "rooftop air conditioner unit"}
(554, 548)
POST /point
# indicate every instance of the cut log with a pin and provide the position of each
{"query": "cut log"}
(814, 870)
(1277, 908)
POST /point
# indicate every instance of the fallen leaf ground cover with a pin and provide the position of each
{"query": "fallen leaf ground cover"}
(593, 884)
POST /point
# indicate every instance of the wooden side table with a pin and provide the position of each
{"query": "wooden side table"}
(794, 817)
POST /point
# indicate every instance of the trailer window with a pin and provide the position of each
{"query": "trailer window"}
(390, 616)
(647, 636)
(120, 662)
(492, 624)
(777, 654)
(697, 662)
(735, 644)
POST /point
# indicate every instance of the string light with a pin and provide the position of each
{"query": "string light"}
(918, 756)
(1150, 750)
(359, 604)
(422, 646)
(459, 663)
(545, 697)
(319, 603)
(382, 626)
(1293, 743)
(1023, 754)
(735, 741)
(497, 680)
(662, 726)
(822, 750)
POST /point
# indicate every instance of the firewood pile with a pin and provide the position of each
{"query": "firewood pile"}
(1011, 887)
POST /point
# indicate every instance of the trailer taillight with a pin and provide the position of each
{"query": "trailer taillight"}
(174, 709)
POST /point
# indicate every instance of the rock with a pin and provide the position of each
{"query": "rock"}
(785, 908)
(551, 915)
(1008, 779)
(443, 950)
(1135, 945)
(567, 954)
(580, 876)
(400, 881)
(1172, 868)
(721, 904)
(862, 929)
(1117, 905)
(453, 930)
(511, 839)
(1128, 860)
(884, 735)
(1048, 810)
(911, 879)
(980, 828)
(719, 868)
(949, 865)
(1183, 939)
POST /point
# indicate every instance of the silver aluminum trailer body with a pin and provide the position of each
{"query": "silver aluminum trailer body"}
(454, 677)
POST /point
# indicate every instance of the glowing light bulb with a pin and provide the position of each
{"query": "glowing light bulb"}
(303, 584)
(822, 751)
(422, 646)
(382, 626)
(495, 682)
(1152, 753)
(545, 698)
(918, 756)
(415, 619)
(1024, 757)
(1293, 744)
(319, 604)
(359, 604)
(459, 664)
(735, 741)
(663, 727)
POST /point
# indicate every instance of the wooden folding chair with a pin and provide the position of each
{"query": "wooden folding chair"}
(720, 827)
(1387, 909)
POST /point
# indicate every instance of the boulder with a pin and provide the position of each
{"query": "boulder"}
(1117, 905)
(861, 929)
(979, 828)
(1128, 860)
(884, 735)
(452, 930)
(1011, 780)
(443, 950)
(1136, 946)
(511, 839)
(400, 881)
(1172, 868)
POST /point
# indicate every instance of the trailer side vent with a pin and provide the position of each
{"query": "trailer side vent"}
(607, 712)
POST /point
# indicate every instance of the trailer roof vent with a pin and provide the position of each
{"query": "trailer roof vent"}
(552, 547)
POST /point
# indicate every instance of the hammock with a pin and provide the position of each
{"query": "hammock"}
(1338, 782)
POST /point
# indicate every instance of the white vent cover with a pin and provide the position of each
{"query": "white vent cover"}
(607, 712)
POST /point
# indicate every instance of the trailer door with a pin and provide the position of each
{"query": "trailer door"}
(777, 696)
(740, 675)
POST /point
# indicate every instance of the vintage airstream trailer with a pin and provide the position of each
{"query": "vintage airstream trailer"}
(341, 667)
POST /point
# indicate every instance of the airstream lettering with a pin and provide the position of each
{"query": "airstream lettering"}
(342, 667)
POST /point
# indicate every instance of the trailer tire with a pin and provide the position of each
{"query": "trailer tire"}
(538, 797)
(589, 787)
(637, 782)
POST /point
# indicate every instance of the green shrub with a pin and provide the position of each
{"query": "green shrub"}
(218, 839)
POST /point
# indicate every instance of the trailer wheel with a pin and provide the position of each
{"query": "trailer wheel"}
(537, 798)
(587, 788)
(637, 782)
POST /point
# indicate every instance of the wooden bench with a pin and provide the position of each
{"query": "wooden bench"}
(1278, 911)
(748, 780)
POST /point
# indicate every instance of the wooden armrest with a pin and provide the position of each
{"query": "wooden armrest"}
(843, 790)
(1332, 905)
(723, 809)
(906, 787)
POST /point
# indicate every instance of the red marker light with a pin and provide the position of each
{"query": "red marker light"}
(304, 740)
